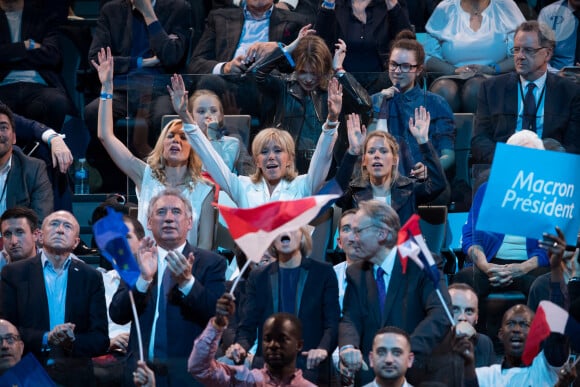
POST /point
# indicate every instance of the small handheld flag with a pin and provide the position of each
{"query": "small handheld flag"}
(411, 244)
(111, 237)
(254, 229)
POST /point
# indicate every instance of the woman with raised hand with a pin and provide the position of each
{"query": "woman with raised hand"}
(380, 169)
(171, 164)
(275, 177)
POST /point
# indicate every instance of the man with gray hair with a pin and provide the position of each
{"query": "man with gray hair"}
(529, 98)
(175, 293)
(379, 294)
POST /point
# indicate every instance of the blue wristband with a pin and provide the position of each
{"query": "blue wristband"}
(106, 96)
(328, 5)
(31, 44)
(495, 67)
(287, 55)
(139, 62)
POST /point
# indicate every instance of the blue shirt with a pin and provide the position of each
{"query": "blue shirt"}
(254, 30)
(55, 283)
(401, 107)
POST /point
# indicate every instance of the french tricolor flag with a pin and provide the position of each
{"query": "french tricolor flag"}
(550, 318)
(411, 244)
(254, 229)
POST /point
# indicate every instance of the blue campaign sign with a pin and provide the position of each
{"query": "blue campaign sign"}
(530, 192)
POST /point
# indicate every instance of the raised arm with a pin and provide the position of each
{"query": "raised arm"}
(211, 160)
(322, 157)
(123, 158)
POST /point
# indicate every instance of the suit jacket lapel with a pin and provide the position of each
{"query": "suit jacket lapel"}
(37, 290)
(301, 282)
(550, 103)
(395, 284)
(373, 296)
(511, 105)
(71, 287)
(274, 282)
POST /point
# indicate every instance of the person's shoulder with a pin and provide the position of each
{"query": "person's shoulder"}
(319, 265)
(227, 12)
(205, 256)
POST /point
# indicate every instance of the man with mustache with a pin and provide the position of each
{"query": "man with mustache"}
(531, 98)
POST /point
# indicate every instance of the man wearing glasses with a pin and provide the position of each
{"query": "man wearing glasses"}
(379, 294)
(531, 98)
(11, 346)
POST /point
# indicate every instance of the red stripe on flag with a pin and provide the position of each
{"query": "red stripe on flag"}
(267, 217)
(539, 331)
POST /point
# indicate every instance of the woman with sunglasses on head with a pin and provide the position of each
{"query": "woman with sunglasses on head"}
(394, 106)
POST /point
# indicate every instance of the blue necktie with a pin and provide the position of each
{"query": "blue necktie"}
(160, 346)
(381, 288)
(529, 119)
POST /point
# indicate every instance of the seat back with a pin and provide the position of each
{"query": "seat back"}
(433, 224)
(464, 127)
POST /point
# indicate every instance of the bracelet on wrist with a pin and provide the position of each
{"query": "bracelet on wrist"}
(287, 55)
(31, 44)
(139, 62)
(495, 67)
(328, 5)
(106, 96)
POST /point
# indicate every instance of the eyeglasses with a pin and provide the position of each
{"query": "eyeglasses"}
(357, 231)
(404, 67)
(528, 51)
(10, 339)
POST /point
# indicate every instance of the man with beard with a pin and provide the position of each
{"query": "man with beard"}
(281, 343)
(511, 372)
(391, 357)
(531, 98)
(23, 180)
(19, 227)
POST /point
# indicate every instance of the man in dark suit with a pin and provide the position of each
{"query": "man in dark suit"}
(225, 41)
(379, 294)
(314, 290)
(555, 107)
(58, 304)
(23, 180)
(175, 294)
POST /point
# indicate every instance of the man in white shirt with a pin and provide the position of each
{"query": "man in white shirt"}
(175, 294)
(511, 372)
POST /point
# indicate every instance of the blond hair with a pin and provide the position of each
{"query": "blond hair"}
(284, 140)
(156, 161)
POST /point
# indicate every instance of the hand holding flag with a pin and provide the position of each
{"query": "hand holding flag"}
(550, 318)
(411, 244)
(110, 234)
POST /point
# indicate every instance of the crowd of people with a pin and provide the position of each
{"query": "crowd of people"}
(342, 90)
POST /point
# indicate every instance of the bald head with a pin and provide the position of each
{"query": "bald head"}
(11, 347)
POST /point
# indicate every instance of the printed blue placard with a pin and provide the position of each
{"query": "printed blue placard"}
(530, 192)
